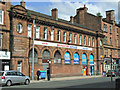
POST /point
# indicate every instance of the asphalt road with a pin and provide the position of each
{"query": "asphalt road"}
(99, 82)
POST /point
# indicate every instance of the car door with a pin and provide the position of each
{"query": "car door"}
(21, 77)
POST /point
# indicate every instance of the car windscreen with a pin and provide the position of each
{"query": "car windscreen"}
(1, 73)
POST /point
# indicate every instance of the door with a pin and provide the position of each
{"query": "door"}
(19, 67)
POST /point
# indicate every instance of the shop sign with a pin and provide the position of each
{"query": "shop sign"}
(76, 58)
(4, 55)
(67, 58)
(61, 45)
(84, 59)
(91, 60)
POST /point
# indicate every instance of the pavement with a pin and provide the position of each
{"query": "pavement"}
(66, 78)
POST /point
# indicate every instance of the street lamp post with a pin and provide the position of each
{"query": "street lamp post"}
(33, 52)
(111, 65)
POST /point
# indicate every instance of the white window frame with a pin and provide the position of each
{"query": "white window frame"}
(1, 37)
(29, 30)
(93, 42)
(1, 22)
(75, 38)
(37, 31)
(64, 37)
(84, 40)
(45, 32)
(100, 42)
(89, 41)
(58, 37)
(80, 39)
(19, 28)
(70, 37)
(52, 34)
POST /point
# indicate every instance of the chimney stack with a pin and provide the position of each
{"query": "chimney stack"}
(55, 13)
(22, 3)
(83, 9)
(110, 15)
(71, 19)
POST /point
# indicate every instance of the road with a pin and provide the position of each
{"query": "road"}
(99, 82)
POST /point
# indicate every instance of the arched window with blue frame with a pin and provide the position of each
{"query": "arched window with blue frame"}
(67, 58)
(91, 59)
(76, 58)
(84, 59)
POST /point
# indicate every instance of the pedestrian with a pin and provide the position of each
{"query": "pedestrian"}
(48, 74)
(38, 74)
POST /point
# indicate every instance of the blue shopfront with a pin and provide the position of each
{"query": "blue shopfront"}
(67, 58)
(84, 63)
(91, 64)
(76, 58)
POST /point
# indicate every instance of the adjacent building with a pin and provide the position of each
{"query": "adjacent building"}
(75, 47)
(4, 36)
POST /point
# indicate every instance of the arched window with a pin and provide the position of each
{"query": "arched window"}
(57, 57)
(91, 59)
(67, 58)
(35, 56)
(45, 56)
(84, 59)
(76, 58)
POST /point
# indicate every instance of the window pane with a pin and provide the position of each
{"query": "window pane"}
(70, 37)
(52, 34)
(58, 36)
(93, 41)
(38, 32)
(64, 36)
(75, 39)
(45, 32)
(29, 30)
(80, 39)
(0, 40)
(0, 16)
(84, 40)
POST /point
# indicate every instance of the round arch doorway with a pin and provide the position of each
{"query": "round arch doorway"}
(45, 58)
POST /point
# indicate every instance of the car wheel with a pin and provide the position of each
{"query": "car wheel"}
(9, 83)
(27, 82)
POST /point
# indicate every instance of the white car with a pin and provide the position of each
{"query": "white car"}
(11, 77)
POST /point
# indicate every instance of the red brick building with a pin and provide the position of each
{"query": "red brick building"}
(73, 47)
(4, 36)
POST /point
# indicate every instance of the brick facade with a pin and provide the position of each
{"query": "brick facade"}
(82, 23)
(5, 31)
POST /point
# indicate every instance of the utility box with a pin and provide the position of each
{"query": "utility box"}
(43, 74)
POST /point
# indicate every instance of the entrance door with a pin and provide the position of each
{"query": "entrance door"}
(45, 58)
(19, 67)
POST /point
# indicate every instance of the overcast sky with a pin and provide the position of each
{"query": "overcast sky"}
(67, 8)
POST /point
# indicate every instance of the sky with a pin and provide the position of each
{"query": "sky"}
(67, 8)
